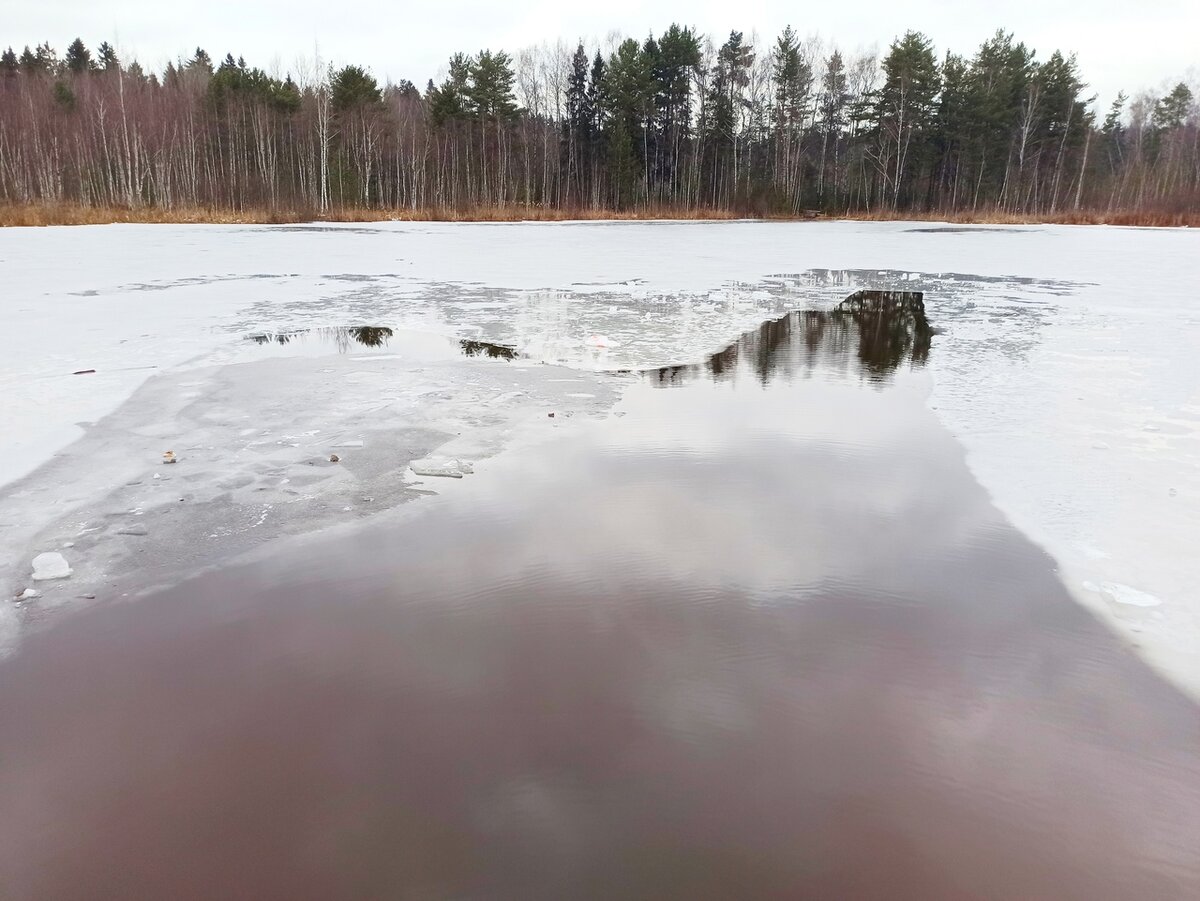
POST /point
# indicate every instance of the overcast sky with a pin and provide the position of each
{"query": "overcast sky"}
(1121, 44)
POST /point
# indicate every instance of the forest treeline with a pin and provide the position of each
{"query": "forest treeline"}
(674, 122)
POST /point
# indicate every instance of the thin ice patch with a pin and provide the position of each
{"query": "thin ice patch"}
(1123, 594)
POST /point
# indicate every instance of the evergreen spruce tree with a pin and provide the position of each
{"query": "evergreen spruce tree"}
(64, 97)
(622, 163)
(47, 59)
(596, 103)
(406, 89)
(200, 62)
(79, 58)
(577, 127)
(106, 57)
(28, 62)
(596, 86)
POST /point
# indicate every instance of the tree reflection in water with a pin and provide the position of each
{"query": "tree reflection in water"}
(487, 349)
(870, 332)
(346, 338)
(370, 335)
(342, 337)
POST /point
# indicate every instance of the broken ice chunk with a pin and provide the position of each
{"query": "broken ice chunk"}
(446, 467)
(51, 565)
(1123, 594)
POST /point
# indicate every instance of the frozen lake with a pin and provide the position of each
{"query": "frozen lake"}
(1064, 363)
(756, 630)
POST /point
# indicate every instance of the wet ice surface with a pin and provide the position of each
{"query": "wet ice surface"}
(1065, 362)
(308, 430)
(761, 635)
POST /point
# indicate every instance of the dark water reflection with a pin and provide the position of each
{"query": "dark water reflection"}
(767, 642)
(871, 334)
(343, 339)
(488, 349)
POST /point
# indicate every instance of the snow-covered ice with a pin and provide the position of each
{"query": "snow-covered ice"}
(1066, 365)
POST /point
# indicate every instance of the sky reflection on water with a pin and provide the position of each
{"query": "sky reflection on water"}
(755, 637)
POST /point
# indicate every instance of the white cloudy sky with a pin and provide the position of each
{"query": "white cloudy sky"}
(1121, 44)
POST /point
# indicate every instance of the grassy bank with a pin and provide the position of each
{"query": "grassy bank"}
(75, 214)
(1070, 217)
(71, 214)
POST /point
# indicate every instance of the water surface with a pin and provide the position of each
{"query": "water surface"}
(760, 636)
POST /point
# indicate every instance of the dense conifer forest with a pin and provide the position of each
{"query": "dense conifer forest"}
(677, 123)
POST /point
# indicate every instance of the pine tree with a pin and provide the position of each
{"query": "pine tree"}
(353, 87)
(724, 103)
(951, 129)
(490, 92)
(628, 94)
(678, 59)
(905, 109)
(997, 89)
(1112, 126)
(793, 81)
(668, 118)
(1062, 129)
(1172, 111)
(449, 102)
(832, 109)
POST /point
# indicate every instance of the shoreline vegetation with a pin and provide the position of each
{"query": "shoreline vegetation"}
(683, 125)
(35, 215)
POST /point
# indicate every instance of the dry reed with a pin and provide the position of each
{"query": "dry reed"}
(77, 214)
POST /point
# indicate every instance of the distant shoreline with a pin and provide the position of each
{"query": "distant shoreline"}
(74, 214)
